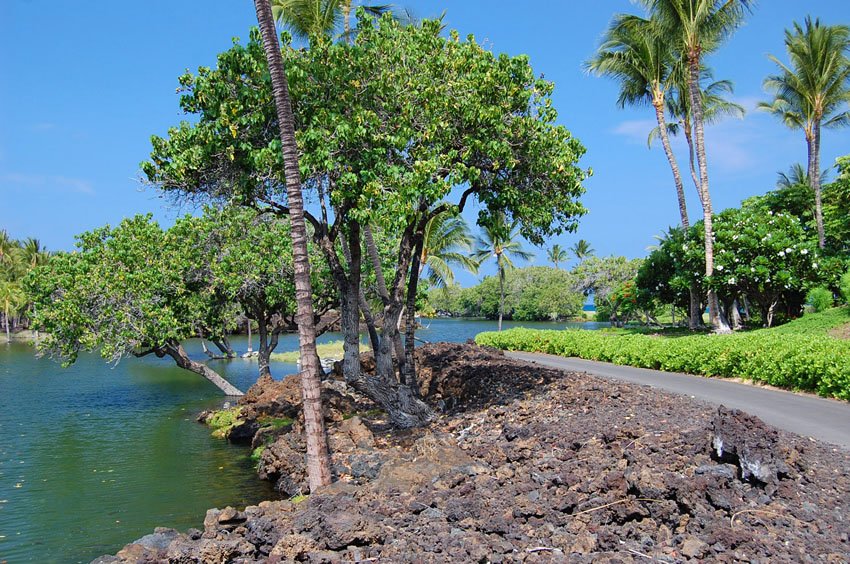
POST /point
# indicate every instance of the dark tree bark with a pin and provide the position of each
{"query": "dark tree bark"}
(318, 458)
(223, 344)
(409, 375)
(176, 351)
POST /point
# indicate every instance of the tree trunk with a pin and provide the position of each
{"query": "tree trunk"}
(350, 322)
(671, 158)
(409, 375)
(814, 179)
(735, 316)
(250, 345)
(694, 307)
(689, 137)
(501, 289)
(176, 351)
(768, 320)
(223, 344)
(6, 320)
(318, 458)
(717, 323)
(263, 353)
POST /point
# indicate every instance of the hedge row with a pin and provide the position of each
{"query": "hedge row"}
(802, 362)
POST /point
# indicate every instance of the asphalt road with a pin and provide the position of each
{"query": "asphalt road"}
(824, 419)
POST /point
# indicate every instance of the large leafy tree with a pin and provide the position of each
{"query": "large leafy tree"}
(603, 277)
(766, 257)
(696, 28)
(836, 203)
(387, 129)
(318, 458)
(245, 259)
(499, 239)
(813, 92)
(125, 292)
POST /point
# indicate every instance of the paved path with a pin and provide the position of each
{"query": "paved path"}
(811, 416)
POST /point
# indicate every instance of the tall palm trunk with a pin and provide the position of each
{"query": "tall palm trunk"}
(813, 144)
(694, 319)
(717, 323)
(671, 158)
(501, 289)
(318, 458)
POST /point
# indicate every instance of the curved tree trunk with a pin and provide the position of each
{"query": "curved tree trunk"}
(671, 158)
(176, 351)
(813, 143)
(223, 344)
(318, 458)
(716, 321)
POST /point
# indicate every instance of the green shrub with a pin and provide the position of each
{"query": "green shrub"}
(820, 299)
(222, 421)
(844, 286)
(785, 359)
(257, 453)
(274, 422)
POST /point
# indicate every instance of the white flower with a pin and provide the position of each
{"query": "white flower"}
(731, 281)
(782, 253)
(720, 267)
(684, 247)
(789, 250)
(814, 265)
(804, 252)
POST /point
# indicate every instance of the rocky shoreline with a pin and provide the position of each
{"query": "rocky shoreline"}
(525, 464)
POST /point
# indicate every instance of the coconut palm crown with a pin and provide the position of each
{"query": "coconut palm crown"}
(813, 91)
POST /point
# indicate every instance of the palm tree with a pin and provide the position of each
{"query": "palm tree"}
(641, 59)
(812, 92)
(500, 239)
(11, 298)
(318, 459)
(582, 249)
(696, 28)
(557, 255)
(446, 241)
(715, 108)
(8, 247)
(313, 20)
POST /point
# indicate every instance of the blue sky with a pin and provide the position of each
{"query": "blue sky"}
(84, 87)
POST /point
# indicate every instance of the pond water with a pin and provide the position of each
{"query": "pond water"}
(95, 455)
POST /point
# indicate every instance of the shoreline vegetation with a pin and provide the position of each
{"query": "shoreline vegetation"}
(800, 355)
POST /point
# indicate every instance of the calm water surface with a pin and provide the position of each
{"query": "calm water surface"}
(95, 456)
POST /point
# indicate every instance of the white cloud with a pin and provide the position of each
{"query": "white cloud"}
(637, 130)
(46, 182)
